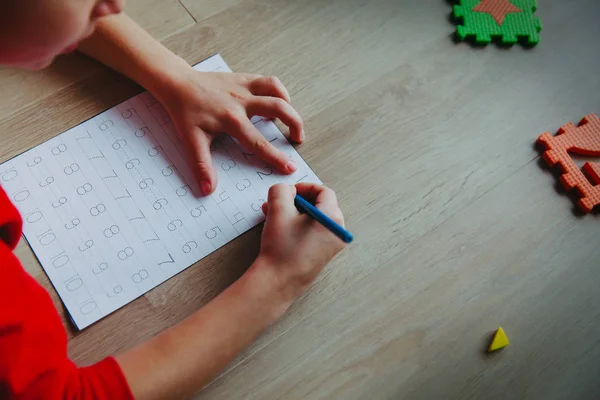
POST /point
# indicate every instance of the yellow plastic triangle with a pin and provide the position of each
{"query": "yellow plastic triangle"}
(499, 341)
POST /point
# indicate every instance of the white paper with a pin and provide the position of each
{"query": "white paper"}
(111, 210)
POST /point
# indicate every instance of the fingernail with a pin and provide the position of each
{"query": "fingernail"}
(205, 187)
(291, 166)
(302, 135)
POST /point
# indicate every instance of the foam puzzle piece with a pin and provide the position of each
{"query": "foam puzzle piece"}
(583, 139)
(507, 20)
(499, 341)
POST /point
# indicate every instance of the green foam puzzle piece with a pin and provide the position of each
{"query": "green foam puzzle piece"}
(482, 27)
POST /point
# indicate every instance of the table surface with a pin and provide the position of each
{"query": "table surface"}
(430, 146)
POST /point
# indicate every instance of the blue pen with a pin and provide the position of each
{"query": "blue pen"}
(314, 212)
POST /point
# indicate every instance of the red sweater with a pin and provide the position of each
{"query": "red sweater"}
(33, 343)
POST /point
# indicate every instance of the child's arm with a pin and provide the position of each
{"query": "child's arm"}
(201, 105)
(294, 249)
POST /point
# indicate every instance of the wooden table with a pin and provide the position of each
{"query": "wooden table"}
(430, 147)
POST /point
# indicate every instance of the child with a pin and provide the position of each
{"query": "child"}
(294, 249)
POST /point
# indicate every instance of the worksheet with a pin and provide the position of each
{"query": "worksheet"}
(111, 209)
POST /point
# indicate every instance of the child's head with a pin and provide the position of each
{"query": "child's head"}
(33, 32)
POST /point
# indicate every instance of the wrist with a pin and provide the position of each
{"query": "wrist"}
(264, 285)
(163, 78)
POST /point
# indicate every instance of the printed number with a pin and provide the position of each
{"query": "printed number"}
(258, 205)
(125, 253)
(114, 175)
(88, 245)
(87, 136)
(171, 260)
(153, 152)
(100, 268)
(47, 237)
(111, 231)
(142, 216)
(128, 196)
(60, 260)
(85, 188)
(71, 169)
(152, 239)
(117, 144)
(88, 307)
(97, 209)
(146, 182)
(246, 184)
(196, 212)
(34, 216)
(261, 174)
(131, 164)
(139, 276)
(160, 203)
(106, 124)
(100, 156)
(74, 223)
(176, 223)
(212, 233)
(227, 165)
(36, 161)
(116, 290)
(239, 217)
(168, 171)
(186, 248)
(74, 283)
(21, 196)
(60, 202)
(182, 191)
(61, 148)
(9, 175)
(223, 196)
(128, 113)
(140, 133)
(49, 181)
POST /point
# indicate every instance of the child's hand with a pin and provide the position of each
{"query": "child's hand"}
(206, 104)
(294, 247)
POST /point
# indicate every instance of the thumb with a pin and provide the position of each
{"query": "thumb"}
(281, 201)
(201, 160)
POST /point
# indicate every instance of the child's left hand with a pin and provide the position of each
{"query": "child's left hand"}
(203, 105)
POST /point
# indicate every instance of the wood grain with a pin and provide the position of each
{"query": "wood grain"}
(429, 145)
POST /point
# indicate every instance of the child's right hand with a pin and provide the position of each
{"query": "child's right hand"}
(294, 247)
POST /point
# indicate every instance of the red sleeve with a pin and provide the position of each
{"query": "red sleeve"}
(33, 343)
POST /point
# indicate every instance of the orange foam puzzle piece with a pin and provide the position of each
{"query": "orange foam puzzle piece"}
(583, 139)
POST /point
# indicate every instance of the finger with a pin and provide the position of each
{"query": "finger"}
(265, 208)
(273, 107)
(243, 130)
(269, 86)
(323, 198)
(281, 201)
(201, 161)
